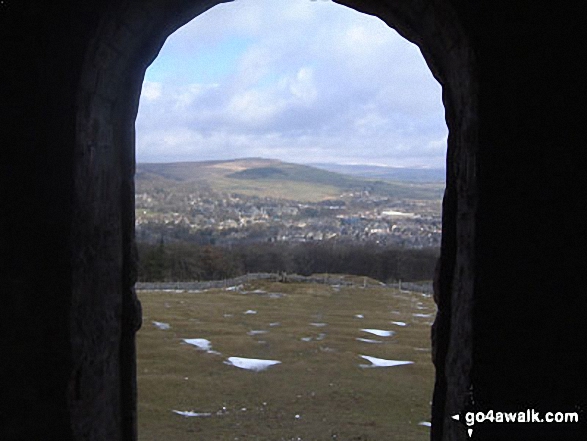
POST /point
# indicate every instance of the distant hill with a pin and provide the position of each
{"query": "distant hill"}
(273, 178)
(386, 173)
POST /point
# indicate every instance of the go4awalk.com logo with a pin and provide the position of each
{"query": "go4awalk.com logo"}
(525, 416)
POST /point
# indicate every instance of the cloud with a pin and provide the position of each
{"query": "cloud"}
(296, 80)
(151, 90)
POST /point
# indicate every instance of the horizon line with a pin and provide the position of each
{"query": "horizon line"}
(313, 163)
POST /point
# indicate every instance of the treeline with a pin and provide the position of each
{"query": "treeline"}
(180, 261)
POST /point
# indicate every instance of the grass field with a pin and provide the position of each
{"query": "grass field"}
(321, 389)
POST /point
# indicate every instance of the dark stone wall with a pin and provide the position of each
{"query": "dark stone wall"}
(40, 60)
(511, 283)
(530, 304)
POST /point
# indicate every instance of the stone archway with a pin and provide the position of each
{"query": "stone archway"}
(126, 42)
(511, 279)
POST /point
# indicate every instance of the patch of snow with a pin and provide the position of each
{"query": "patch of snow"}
(425, 423)
(321, 336)
(162, 325)
(250, 311)
(259, 291)
(368, 340)
(276, 295)
(379, 332)
(234, 288)
(400, 323)
(359, 316)
(381, 362)
(274, 324)
(318, 325)
(256, 332)
(306, 339)
(200, 343)
(190, 413)
(252, 364)
(423, 315)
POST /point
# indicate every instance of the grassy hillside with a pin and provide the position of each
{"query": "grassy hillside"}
(276, 179)
(322, 388)
(432, 175)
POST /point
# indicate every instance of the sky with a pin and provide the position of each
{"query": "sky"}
(297, 80)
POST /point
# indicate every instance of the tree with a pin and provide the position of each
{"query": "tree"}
(152, 263)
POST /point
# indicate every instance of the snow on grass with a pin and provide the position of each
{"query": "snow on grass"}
(190, 413)
(276, 295)
(252, 364)
(318, 325)
(425, 423)
(256, 332)
(368, 340)
(379, 332)
(381, 362)
(423, 315)
(400, 323)
(320, 337)
(250, 311)
(162, 325)
(359, 316)
(202, 344)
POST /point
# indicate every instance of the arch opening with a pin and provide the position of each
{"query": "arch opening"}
(300, 99)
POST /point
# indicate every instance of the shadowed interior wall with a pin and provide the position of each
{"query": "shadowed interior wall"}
(511, 284)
